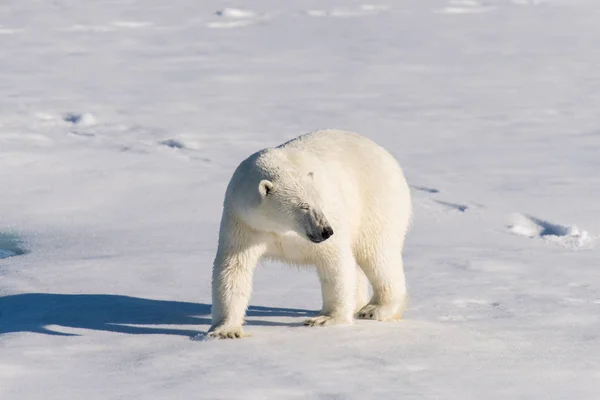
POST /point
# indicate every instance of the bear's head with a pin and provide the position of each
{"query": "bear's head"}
(280, 201)
(292, 203)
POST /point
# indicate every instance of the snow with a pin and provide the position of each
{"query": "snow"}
(6, 253)
(570, 236)
(121, 123)
(82, 119)
(236, 13)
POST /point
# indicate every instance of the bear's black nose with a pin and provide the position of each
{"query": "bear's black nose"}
(326, 232)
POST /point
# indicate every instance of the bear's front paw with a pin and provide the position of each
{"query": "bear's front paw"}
(324, 320)
(226, 332)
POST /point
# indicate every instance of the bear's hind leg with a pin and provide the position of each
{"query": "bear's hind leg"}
(362, 289)
(386, 275)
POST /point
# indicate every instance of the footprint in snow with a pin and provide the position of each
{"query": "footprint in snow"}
(173, 143)
(439, 207)
(425, 189)
(435, 204)
(235, 18)
(453, 206)
(236, 13)
(565, 235)
(185, 146)
(82, 119)
(181, 143)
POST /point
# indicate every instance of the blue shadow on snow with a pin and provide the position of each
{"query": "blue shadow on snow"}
(33, 312)
(11, 245)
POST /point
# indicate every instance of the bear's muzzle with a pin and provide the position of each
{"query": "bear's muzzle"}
(324, 234)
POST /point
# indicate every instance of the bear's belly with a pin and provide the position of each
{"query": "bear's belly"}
(290, 249)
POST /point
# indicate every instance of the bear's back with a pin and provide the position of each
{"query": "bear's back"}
(370, 165)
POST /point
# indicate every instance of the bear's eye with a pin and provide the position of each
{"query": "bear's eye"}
(304, 206)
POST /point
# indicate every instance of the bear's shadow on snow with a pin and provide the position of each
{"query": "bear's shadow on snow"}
(34, 312)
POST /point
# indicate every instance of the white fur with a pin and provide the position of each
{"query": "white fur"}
(278, 197)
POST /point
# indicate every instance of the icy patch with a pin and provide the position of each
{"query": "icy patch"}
(565, 235)
(84, 119)
(10, 246)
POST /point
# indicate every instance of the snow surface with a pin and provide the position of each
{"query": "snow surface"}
(122, 121)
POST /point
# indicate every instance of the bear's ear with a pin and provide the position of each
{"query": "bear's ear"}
(265, 187)
(311, 175)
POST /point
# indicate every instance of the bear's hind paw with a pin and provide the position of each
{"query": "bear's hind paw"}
(390, 312)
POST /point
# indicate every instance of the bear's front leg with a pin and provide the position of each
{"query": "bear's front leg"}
(231, 289)
(337, 274)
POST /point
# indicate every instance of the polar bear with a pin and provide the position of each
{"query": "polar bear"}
(332, 199)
